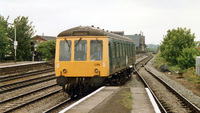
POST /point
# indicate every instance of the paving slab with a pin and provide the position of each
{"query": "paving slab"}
(87, 105)
(141, 101)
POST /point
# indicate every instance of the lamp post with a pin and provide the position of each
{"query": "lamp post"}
(15, 42)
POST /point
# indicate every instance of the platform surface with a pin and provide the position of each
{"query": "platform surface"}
(87, 105)
(141, 101)
(13, 64)
(107, 101)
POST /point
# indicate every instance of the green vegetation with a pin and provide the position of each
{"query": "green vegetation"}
(3, 37)
(187, 58)
(174, 42)
(159, 60)
(24, 32)
(178, 52)
(178, 48)
(47, 49)
(127, 100)
(152, 48)
(189, 74)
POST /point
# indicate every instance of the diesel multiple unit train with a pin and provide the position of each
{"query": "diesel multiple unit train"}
(90, 57)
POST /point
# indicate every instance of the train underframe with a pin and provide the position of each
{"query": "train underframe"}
(78, 86)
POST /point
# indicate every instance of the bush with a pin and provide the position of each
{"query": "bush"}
(188, 57)
(47, 49)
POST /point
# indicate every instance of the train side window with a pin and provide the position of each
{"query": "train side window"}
(96, 50)
(131, 49)
(119, 50)
(123, 50)
(127, 49)
(65, 50)
(80, 50)
(115, 50)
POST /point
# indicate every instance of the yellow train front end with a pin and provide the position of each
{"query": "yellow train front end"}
(74, 56)
(80, 61)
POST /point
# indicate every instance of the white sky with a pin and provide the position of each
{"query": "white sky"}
(152, 17)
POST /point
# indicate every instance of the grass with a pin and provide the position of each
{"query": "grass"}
(189, 74)
(127, 100)
(161, 61)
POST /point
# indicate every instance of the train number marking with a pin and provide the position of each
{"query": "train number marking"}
(97, 64)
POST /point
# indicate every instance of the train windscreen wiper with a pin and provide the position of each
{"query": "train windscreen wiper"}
(68, 44)
(78, 42)
(99, 41)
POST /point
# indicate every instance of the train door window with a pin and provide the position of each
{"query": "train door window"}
(80, 50)
(65, 50)
(96, 50)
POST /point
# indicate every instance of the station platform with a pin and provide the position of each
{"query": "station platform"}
(141, 101)
(13, 64)
(21, 67)
(113, 100)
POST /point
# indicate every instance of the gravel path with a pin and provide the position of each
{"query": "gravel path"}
(181, 89)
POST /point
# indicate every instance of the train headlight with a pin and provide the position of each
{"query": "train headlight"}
(96, 70)
(64, 71)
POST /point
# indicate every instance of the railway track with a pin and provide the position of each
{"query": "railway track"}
(14, 103)
(25, 83)
(17, 76)
(71, 102)
(167, 98)
(54, 108)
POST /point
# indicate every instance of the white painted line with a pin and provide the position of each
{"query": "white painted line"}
(157, 110)
(66, 109)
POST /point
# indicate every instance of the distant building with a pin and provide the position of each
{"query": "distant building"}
(139, 41)
(41, 38)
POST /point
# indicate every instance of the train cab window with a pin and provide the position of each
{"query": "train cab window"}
(65, 50)
(96, 50)
(80, 50)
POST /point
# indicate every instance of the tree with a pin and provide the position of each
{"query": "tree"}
(3, 38)
(174, 42)
(188, 57)
(24, 32)
(47, 49)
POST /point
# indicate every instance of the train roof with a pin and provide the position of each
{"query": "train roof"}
(91, 31)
